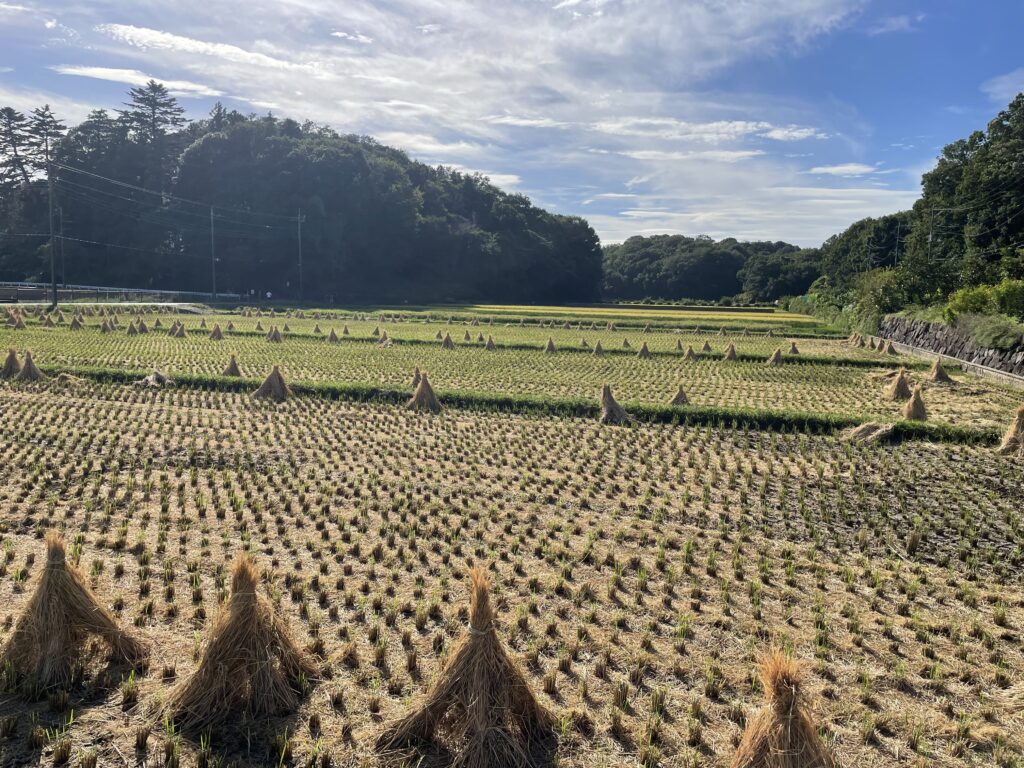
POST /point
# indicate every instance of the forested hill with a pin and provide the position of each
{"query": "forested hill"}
(680, 267)
(134, 191)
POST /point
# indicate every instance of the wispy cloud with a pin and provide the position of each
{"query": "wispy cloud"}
(890, 24)
(1005, 87)
(843, 169)
(135, 77)
(573, 102)
(355, 37)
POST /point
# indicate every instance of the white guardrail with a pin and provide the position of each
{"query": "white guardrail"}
(1011, 379)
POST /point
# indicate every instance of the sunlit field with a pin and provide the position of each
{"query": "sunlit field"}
(638, 572)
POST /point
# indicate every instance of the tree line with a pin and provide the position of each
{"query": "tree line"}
(137, 193)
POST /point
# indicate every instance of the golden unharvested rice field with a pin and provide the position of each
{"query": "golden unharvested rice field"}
(638, 572)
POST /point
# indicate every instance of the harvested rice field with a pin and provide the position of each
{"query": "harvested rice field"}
(631, 582)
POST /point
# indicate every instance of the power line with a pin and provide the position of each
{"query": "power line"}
(169, 196)
(71, 187)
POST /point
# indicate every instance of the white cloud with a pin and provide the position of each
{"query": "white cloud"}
(1005, 88)
(843, 169)
(715, 155)
(135, 77)
(889, 24)
(574, 104)
(794, 133)
(526, 122)
(69, 110)
(154, 39)
(713, 132)
(356, 37)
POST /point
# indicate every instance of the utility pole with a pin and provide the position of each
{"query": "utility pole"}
(298, 221)
(896, 256)
(931, 222)
(53, 250)
(213, 258)
(63, 266)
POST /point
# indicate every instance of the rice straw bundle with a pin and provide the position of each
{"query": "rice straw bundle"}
(1013, 440)
(273, 387)
(680, 397)
(29, 371)
(899, 389)
(611, 411)
(914, 410)
(250, 665)
(782, 735)
(232, 368)
(937, 374)
(424, 399)
(11, 365)
(480, 707)
(49, 638)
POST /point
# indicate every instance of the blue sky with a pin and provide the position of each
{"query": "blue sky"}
(762, 119)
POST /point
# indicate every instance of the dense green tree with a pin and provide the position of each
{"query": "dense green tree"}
(15, 147)
(679, 267)
(771, 275)
(376, 226)
(44, 130)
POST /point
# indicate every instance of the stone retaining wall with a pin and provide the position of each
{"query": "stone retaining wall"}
(943, 340)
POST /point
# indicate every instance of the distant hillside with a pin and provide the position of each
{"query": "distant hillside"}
(134, 192)
(680, 267)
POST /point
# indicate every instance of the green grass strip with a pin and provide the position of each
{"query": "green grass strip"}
(648, 413)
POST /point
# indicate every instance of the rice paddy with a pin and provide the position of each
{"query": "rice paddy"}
(638, 574)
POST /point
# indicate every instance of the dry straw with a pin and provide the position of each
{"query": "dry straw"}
(250, 666)
(424, 399)
(11, 365)
(680, 397)
(156, 379)
(914, 410)
(1013, 440)
(549, 348)
(871, 432)
(232, 368)
(689, 354)
(273, 387)
(29, 371)
(899, 389)
(217, 334)
(447, 342)
(480, 708)
(776, 357)
(730, 352)
(938, 375)
(611, 411)
(49, 639)
(644, 351)
(782, 734)
(792, 348)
